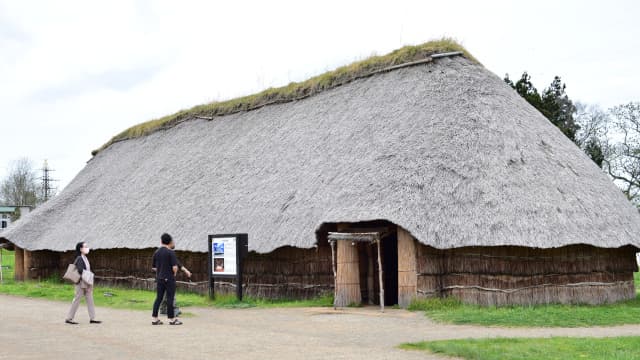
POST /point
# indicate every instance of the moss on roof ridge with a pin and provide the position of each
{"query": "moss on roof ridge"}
(294, 91)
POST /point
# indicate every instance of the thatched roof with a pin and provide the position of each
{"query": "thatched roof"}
(444, 149)
(297, 91)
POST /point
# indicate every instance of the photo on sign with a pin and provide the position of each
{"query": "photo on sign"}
(218, 265)
(223, 256)
(218, 248)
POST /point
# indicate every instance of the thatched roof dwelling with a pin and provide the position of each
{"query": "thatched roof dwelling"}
(440, 147)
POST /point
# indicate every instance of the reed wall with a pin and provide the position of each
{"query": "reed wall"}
(479, 275)
(284, 273)
(520, 275)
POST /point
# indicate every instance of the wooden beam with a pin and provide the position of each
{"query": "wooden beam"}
(335, 275)
(27, 262)
(18, 266)
(380, 277)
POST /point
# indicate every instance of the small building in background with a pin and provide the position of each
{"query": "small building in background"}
(7, 213)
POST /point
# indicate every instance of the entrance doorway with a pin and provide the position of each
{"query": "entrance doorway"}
(373, 246)
(380, 265)
(390, 268)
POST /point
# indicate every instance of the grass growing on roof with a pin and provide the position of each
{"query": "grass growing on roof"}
(294, 90)
(561, 348)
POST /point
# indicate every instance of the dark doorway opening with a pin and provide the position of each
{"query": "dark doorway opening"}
(368, 258)
(390, 268)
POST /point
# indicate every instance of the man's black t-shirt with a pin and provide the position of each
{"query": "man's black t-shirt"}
(164, 260)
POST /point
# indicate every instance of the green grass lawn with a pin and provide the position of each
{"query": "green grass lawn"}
(8, 262)
(55, 289)
(52, 289)
(453, 311)
(561, 348)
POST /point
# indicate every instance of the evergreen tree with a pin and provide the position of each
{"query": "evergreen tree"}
(525, 88)
(554, 103)
(558, 108)
(594, 150)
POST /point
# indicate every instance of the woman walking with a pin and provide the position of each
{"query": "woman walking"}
(83, 289)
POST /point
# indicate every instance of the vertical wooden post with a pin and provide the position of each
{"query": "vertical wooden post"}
(335, 275)
(18, 267)
(348, 275)
(380, 276)
(28, 259)
(370, 274)
(407, 275)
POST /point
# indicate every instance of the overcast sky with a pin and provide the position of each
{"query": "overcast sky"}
(75, 73)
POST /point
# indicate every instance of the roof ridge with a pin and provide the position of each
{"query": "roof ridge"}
(400, 58)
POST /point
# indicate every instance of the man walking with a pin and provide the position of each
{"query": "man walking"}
(163, 304)
(165, 264)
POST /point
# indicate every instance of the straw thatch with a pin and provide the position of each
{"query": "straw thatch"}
(444, 149)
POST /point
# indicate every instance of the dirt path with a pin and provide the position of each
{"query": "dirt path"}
(34, 329)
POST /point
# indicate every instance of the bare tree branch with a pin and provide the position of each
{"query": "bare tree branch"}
(20, 186)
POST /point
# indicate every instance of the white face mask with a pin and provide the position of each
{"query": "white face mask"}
(85, 250)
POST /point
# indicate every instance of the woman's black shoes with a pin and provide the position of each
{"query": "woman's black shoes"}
(75, 323)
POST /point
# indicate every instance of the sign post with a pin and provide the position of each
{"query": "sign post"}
(226, 255)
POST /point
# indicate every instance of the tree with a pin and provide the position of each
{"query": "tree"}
(622, 157)
(554, 103)
(558, 108)
(594, 150)
(612, 139)
(525, 88)
(20, 186)
(593, 124)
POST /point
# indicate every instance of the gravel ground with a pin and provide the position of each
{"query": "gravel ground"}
(35, 329)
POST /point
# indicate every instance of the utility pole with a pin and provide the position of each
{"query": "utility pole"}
(48, 190)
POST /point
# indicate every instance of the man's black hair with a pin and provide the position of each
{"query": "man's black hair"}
(166, 239)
